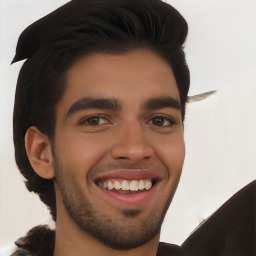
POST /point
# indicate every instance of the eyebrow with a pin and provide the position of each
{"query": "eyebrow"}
(113, 104)
(93, 103)
(162, 102)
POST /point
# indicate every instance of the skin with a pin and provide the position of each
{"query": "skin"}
(129, 138)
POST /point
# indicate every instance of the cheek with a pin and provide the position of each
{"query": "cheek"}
(172, 153)
(80, 153)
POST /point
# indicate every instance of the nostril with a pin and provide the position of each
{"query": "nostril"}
(123, 157)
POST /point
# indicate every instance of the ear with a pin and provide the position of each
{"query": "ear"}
(39, 152)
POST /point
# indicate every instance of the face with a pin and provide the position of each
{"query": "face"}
(119, 146)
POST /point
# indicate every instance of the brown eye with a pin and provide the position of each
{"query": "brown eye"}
(161, 121)
(94, 121)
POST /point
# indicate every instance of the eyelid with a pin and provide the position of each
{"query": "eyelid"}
(172, 121)
(84, 119)
(164, 116)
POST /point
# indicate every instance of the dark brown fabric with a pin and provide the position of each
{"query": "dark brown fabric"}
(165, 249)
(230, 231)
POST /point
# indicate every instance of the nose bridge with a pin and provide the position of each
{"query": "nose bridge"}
(132, 143)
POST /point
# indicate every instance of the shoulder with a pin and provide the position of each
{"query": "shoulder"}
(165, 249)
(230, 230)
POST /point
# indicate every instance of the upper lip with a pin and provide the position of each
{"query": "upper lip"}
(129, 174)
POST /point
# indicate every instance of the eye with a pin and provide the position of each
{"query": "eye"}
(95, 121)
(161, 121)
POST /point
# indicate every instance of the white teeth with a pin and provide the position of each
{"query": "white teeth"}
(134, 185)
(141, 185)
(110, 185)
(117, 185)
(148, 185)
(125, 185)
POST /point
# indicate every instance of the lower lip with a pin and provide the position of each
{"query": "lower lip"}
(134, 200)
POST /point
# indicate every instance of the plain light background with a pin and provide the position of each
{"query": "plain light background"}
(219, 131)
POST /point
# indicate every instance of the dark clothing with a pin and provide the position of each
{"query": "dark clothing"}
(165, 249)
(230, 231)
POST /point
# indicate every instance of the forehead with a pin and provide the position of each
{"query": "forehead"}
(134, 76)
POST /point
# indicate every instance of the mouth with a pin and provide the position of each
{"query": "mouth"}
(128, 188)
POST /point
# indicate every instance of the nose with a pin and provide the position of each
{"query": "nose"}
(132, 145)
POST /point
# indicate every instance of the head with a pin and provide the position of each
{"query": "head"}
(84, 32)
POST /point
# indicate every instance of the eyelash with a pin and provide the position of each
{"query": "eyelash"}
(170, 121)
(165, 119)
(85, 120)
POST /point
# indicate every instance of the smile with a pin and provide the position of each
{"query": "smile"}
(120, 185)
(127, 187)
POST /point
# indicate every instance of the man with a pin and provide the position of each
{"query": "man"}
(98, 124)
(98, 133)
